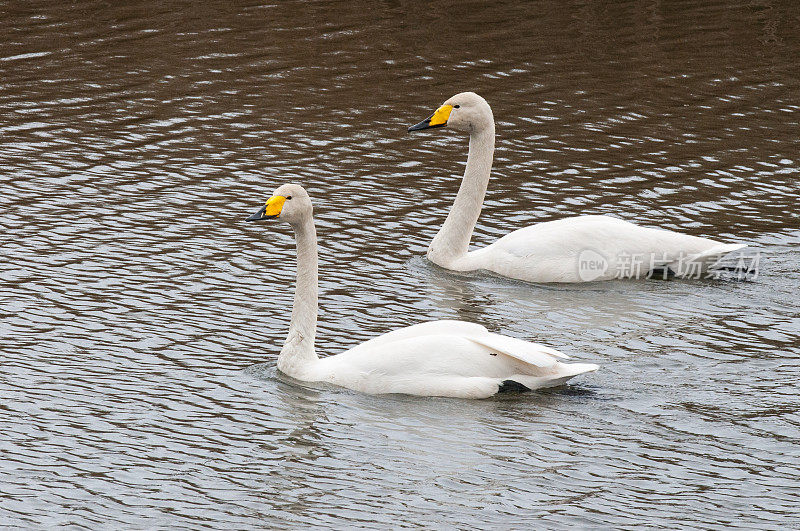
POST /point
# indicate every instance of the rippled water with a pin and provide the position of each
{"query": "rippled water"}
(141, 316)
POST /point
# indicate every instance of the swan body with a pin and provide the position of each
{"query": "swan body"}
(576, 249)
(438, 358)
(538, 253)
(446, 358)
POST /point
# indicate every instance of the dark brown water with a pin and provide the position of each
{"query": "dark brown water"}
(141, 317)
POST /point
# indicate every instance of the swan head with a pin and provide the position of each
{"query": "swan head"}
(464, 112)
(289, 202)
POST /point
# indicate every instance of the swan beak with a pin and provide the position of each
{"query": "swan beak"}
(271, 210)
(437, 119)
(258, 215)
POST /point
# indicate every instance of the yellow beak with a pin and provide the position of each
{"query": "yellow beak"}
(441, 115)
(274, 206)
(271, 210)
(437, 119)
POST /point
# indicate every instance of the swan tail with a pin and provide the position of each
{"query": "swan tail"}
(567, 371)
(574, 369)
(697, 263)
(712, 255)
(523, 382)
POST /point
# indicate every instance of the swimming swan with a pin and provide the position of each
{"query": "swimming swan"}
(575, 249)
(438, 358)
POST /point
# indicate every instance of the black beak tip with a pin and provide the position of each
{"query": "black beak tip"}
(258, 215)
(424, 124)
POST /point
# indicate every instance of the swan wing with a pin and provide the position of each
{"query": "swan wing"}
(451, 340)
(524, 351)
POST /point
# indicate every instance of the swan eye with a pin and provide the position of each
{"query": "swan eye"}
(456, 106)
(288, 197)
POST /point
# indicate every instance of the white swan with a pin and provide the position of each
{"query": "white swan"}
(575, 249)
(438, 358)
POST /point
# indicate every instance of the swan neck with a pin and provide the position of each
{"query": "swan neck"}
(452, 240)
(298, 351)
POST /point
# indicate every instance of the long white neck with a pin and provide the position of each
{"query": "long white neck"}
(298, 355)
(452, 240)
